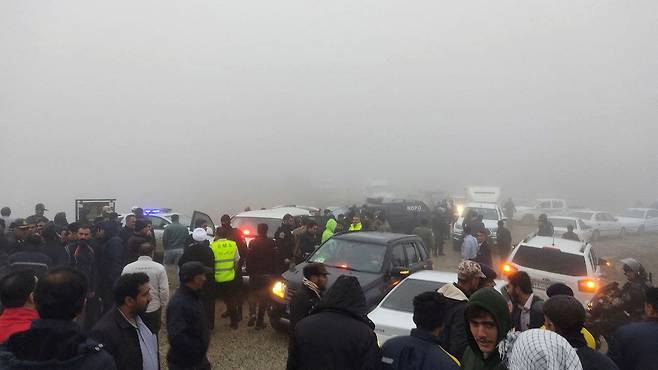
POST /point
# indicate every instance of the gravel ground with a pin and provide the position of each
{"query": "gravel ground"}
(247, 348)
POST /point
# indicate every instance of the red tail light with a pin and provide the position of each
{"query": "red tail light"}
(246, 232)
(587, 286)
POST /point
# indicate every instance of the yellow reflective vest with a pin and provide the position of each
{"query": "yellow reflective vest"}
(226, 254)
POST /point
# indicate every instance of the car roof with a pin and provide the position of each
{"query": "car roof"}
(373, 237)
(481, 205)
(564, 217)
(640, 209)
(277, 213)
(565, 245)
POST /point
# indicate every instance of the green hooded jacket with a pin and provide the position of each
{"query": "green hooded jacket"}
(329, 230)
(490, 300)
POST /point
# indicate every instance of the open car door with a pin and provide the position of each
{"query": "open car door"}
(198, 215)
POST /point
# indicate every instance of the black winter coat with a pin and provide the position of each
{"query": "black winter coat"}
(589, 358)
(418, 351)
(131, 249)
(81, 256)
(484, 254)
(55, 250)
(261, 257)
(120, 339)
(35, 261)
(536, 314)
(633, 346)
(187, 329)
(56, 345)
(285, 245)
(338, 334)
(301, 305)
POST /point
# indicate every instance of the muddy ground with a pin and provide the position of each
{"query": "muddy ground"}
(247, 348)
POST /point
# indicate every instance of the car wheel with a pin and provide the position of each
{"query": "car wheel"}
(622, 233)
(528, 219)
(596, 235)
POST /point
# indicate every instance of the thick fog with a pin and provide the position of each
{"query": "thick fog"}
(219, 105)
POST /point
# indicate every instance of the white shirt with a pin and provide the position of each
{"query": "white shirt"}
(524, 320)
(157, 280)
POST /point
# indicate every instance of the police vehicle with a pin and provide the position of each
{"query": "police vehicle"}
(160, 218)
(402, 214)
(247, 222)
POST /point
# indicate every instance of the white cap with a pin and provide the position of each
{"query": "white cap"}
(199, 234)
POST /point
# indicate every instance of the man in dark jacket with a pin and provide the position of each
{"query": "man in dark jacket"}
(633, 346)
(566, 316)
(261, 266)
(200, 251)
(53, 246)
(308, 241)
(142, 233)
(503, 240)
(285, 243)
(425, 232)
(109, 262)
(453, 335)
(309, 295)
(484, 251)
(31, 257)
(16, 239)
(545, 227)
(338, 334)
(173, 240)
(55, 341)
(83, 257)
(422, 350)
(528, 309)
(570, 235)
(187, 329)
(122, 331)
(128, 230)
(488, 321)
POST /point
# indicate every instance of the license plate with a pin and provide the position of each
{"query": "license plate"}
(541, 284)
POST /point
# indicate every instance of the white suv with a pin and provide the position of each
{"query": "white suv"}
(560, 224)
(548, 261)
(490, 213)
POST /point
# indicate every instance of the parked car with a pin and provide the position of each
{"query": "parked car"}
(490, 213)
(529, 215)
(379, 261)
(402, 214)
(602, 223)
(394, 315)
(639, 219)
(560, 224)
(553, 260)
(248, 221)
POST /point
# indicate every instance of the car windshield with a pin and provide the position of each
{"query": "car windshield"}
(351, 255)
(550, 260)
(249, 225)
(583, 215)
(562, 222)
(633, 213)
(486, 213)
(401, 299)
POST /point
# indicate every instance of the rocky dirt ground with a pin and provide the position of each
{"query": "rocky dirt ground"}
(247, 348)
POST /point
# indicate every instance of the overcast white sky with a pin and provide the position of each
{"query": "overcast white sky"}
(216, 105)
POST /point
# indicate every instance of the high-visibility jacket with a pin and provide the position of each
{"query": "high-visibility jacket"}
(226, 254)
(356, 227)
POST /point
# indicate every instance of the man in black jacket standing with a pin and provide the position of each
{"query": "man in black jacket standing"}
(200, 251)
(285, 243)
(503, 239)
(308, 296)
(187, 329)
(261, 266)
(109, 262)
(528, 310)
(123, 332)
(338, 334)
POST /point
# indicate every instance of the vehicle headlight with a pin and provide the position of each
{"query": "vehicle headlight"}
(279, 289)
(460, 210)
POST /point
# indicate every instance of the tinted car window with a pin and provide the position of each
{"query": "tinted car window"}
(402, 298)
(157, 222)
(486, 213)
(412, 256)
(421, 251)
(351, 255)
(397, 257)
(550, 260)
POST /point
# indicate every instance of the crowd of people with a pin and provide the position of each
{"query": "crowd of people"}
(80, 296)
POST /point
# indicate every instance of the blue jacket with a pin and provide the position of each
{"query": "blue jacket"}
(419, 351)
(633, 346)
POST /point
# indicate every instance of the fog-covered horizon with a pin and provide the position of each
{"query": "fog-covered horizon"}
(221, 105)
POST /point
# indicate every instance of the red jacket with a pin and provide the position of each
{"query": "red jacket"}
(15, 320)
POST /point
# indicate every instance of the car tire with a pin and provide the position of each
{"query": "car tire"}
(528, 219)
(596, 235)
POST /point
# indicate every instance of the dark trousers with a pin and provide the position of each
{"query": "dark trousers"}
(153, 320)
(208, 301)
(205, 365)
(226, 291)
(259, 299)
